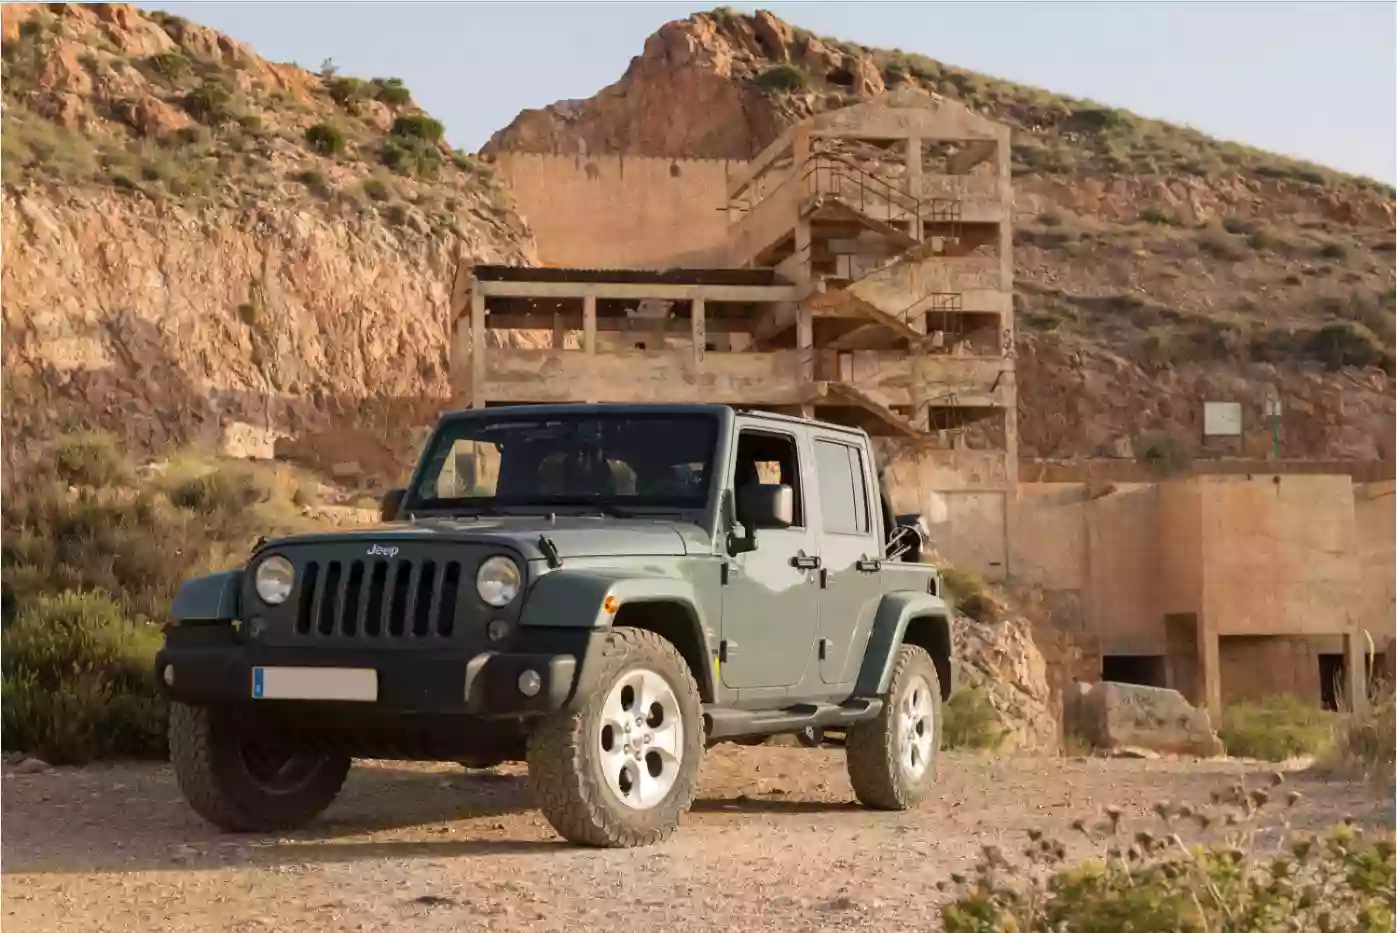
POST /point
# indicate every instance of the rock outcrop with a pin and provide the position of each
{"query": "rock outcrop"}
(201, 246)
(1000, 658)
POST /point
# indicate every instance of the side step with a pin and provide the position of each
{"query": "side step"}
(725, 723)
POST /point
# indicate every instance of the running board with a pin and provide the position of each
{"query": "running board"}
(725, 723)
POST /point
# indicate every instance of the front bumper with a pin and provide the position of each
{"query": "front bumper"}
(211, 671)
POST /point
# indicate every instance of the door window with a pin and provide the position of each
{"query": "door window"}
(770, 458)
(843, 488)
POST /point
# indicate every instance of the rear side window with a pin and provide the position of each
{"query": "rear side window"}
(843, 490)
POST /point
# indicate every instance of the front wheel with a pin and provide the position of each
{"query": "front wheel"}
(621, 770)
(242, 783)
(892, 757)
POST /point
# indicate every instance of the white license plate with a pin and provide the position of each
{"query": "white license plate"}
(315, 683)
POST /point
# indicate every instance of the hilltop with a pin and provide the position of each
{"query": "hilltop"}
(1155, 266)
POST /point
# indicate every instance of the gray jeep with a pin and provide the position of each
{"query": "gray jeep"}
(602, 591)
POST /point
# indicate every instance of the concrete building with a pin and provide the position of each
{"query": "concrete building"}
(858, 270)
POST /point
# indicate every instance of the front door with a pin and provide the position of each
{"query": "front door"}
(770, 602)
(849, 553)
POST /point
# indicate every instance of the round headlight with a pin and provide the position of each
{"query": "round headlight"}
(498, 581)
(274, 579)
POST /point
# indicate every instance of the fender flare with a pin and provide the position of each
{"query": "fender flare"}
(211, 598)
(574, 599)
(896, 613)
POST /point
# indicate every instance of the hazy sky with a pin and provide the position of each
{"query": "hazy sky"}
(1311, 79)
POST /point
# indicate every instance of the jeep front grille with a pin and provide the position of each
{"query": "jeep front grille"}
(378, 598)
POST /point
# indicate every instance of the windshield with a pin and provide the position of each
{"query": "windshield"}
(611, 460)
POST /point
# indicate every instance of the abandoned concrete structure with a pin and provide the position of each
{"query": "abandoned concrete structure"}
(863, 275)
(860, 269)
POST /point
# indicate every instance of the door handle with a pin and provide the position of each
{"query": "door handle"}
(869, 565)
(802, 562)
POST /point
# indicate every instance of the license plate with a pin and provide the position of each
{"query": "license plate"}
(315, 683)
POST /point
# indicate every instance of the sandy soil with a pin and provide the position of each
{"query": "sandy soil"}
(773, 843)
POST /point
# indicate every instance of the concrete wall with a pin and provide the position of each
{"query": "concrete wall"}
(622, 212)
(1374, 518)
(1279, 554)
(1254, 667)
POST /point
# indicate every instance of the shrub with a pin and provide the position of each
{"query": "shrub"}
(411, 156)
(1340, 345)
(77, 679)
(1151, 881)
(783, 78)
(347, 91)
(1332, 250)
(1220, 245)
(91, 459)
(210, 103)
(1161, 451)
(314, 180)
(325, 139)
(171, 65)
(1363, 742)
(969, 721)
(966, 591)
(376, 190)
(391, 91)
(1238, 225)
(1153, 215)
(417, 126)
(1276, 728)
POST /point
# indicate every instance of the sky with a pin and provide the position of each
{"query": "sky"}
(1316, 80)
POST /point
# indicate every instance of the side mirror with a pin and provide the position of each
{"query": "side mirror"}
(392, 501)
(766, 505)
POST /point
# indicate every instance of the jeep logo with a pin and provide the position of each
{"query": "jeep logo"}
(379, 550)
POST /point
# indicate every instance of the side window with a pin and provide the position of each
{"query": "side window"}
(843, 489)
(770, 458)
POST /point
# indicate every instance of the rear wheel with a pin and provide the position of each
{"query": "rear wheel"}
(892, 757)
(243, 783)
(622, 769)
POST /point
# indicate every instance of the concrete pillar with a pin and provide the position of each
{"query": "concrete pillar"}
(914, 181)
(700, 331)
(1355, 661)
(477, 348)
(560, 331)
(1209, 671)
(589, 324)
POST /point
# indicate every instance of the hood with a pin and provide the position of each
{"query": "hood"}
(573, 536)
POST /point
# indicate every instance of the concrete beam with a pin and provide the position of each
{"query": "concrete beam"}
(629, 291)
(508, 320)
(972, 155)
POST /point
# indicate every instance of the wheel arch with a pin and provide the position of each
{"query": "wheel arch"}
(677, 623)
(907, 618)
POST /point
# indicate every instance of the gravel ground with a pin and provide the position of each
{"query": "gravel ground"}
(773, 843)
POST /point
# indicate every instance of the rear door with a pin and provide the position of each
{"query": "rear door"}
(850, 551)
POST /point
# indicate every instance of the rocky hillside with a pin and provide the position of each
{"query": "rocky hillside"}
(1156, 267)
(200, 245)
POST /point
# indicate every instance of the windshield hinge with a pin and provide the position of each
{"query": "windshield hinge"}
(550, 551)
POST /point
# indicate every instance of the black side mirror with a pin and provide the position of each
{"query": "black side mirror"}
(766, 505)
(392, 501)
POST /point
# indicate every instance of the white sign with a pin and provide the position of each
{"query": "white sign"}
(1222, 419)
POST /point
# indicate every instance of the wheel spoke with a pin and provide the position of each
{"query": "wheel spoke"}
(641, 738)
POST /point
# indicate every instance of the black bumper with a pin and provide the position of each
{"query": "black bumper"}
(218, 671)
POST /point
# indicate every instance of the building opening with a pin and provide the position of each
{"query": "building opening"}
(1146, 670)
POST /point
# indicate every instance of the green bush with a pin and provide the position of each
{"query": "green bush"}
(969, 721)
(1276, 728)
(417, 126)
(411, 156)
(78, 682)
(1364, 741)
(210, 103)
(1153, 215)
(391, 91)
(347, 91)
(1340, 345)
(91, 459)
(171, 65)
(1332, 250)
(1162, 452)
(325, 139)
(784, 78)
(965, 590)
(1151, 881)
(377, 190)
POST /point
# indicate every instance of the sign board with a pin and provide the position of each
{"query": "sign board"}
(1222, 419)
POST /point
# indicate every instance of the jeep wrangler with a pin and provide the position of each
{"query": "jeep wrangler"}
(601, 591)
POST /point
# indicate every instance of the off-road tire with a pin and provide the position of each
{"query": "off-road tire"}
(565, 773)
(871, 748)
(206, 751)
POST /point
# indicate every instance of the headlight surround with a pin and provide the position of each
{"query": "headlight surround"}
(274, 580)
(497, 581)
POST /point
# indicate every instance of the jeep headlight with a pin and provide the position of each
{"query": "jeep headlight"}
(497, 582)
(274, 579)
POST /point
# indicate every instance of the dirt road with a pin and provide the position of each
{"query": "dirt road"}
(773, 844)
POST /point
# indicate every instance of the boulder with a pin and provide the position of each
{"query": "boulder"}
(1000, 658)
(1114, 717)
